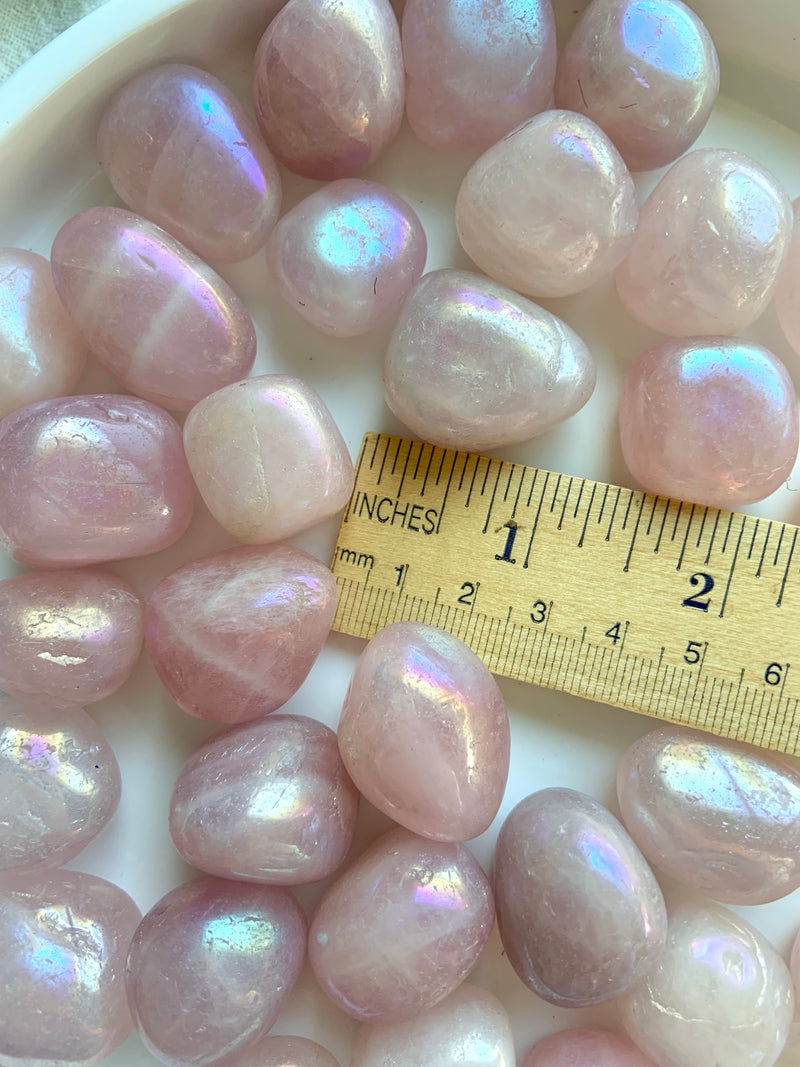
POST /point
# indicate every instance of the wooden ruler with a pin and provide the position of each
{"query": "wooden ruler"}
(670, 609)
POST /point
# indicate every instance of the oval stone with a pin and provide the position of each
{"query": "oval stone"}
(424, 732)
(586, 1048)
(179, 148)
(87, 479)
(401, 928)
(283, 1052)
(581, 915)
(472, 365)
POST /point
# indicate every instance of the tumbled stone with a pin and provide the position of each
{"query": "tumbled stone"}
(472, 365)
(401, 928)
(550, 209)
(63, 940)
(581, 916)
(474, 70)
(267, 458)
(424, 732)
(646, 71)
(283, 1052)
(178, 331)
(210, 967)
(711, 240)
(586, 1048)
(787, 291)
(347, 256)
(328, 85)
(179, 148)
(712, 420)
(87, 479)
(718, 994)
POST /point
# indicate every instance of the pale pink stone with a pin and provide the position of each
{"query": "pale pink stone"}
(210, 967)
(347, 256)
(178, 331)
(586, 1048)
(475, 70)
(646, 71)
(424, 732)
(787, 291)
(268, 458)
(179, 148)
(329, 86)
(283, 1052)
(712, 420)
(581, 916)
(63, 940)
(42, 355)
(87, 479)
(402, 928)
(550, 209)
(711, 240)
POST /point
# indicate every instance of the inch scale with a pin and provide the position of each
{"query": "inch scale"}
(669, 609)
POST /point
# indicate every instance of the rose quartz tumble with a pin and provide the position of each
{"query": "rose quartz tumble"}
(283, 1052)
(42, 355)
(178, 331)
(472, 365)
(401, 928)
(266, 802)
(718, 994)
(787, 291)
(424, 732)
(347, 256)
(474, 70)
(712, 420)
(63, 940)
(646, 71)
(179, 148)
(87, 479)
(210, 968)
(550, 209)
(711, 240)
(586, 1048)
(581, 915)
(268, 458)
(329, 85)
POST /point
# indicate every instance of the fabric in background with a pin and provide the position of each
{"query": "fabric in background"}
(27, 25)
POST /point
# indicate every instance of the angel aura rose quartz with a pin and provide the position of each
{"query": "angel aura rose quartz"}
(177, 332)
(267, 458)
(401, 928)
(179, 148)
(586, 1048)
(234, 635)
(474, 70)
(712, 420)
(550, 209)
(472, 365)
(581, 915)
(328, 85)
(87, 479)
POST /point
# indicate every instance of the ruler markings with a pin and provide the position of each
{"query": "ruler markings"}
(508, 481)
(603, 504)
(727, 534)
(702, 527)
(580, 496)
(732, 567)
(491, 502)
(635, 532)
(779, 601)
(564, 505)
(441, 465)
(627, 510)
(753, 541)
(711, 540)
(685, 537)
(778, 549)
(652, 514)
(536, 517)
(764, 550)
(588, 513)
(677, 519)
(613, 513)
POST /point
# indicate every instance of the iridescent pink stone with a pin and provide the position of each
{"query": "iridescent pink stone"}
(283, 1052)
(87, 479)
(178, 331)
(424, 732)
(267, 458)
(787, 291)
(474, 70)
(646, 71)
(586, 1048)
(550, 209)
(711, 241)
(401, 928)
(179, 148)
(42, 355)
(712, 420)
(328, 85)
(347, 256)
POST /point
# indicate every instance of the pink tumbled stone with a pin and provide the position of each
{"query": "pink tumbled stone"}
(424, 732)
(328, 85)
(474, 70)
(42, 355)
(711, 240)
(787, 291)
(712, 420)
(550, 209)
(267, 458)
(401, 928)
(179, 148)
(283, 1052)
(586, 1048)
(87, 479)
